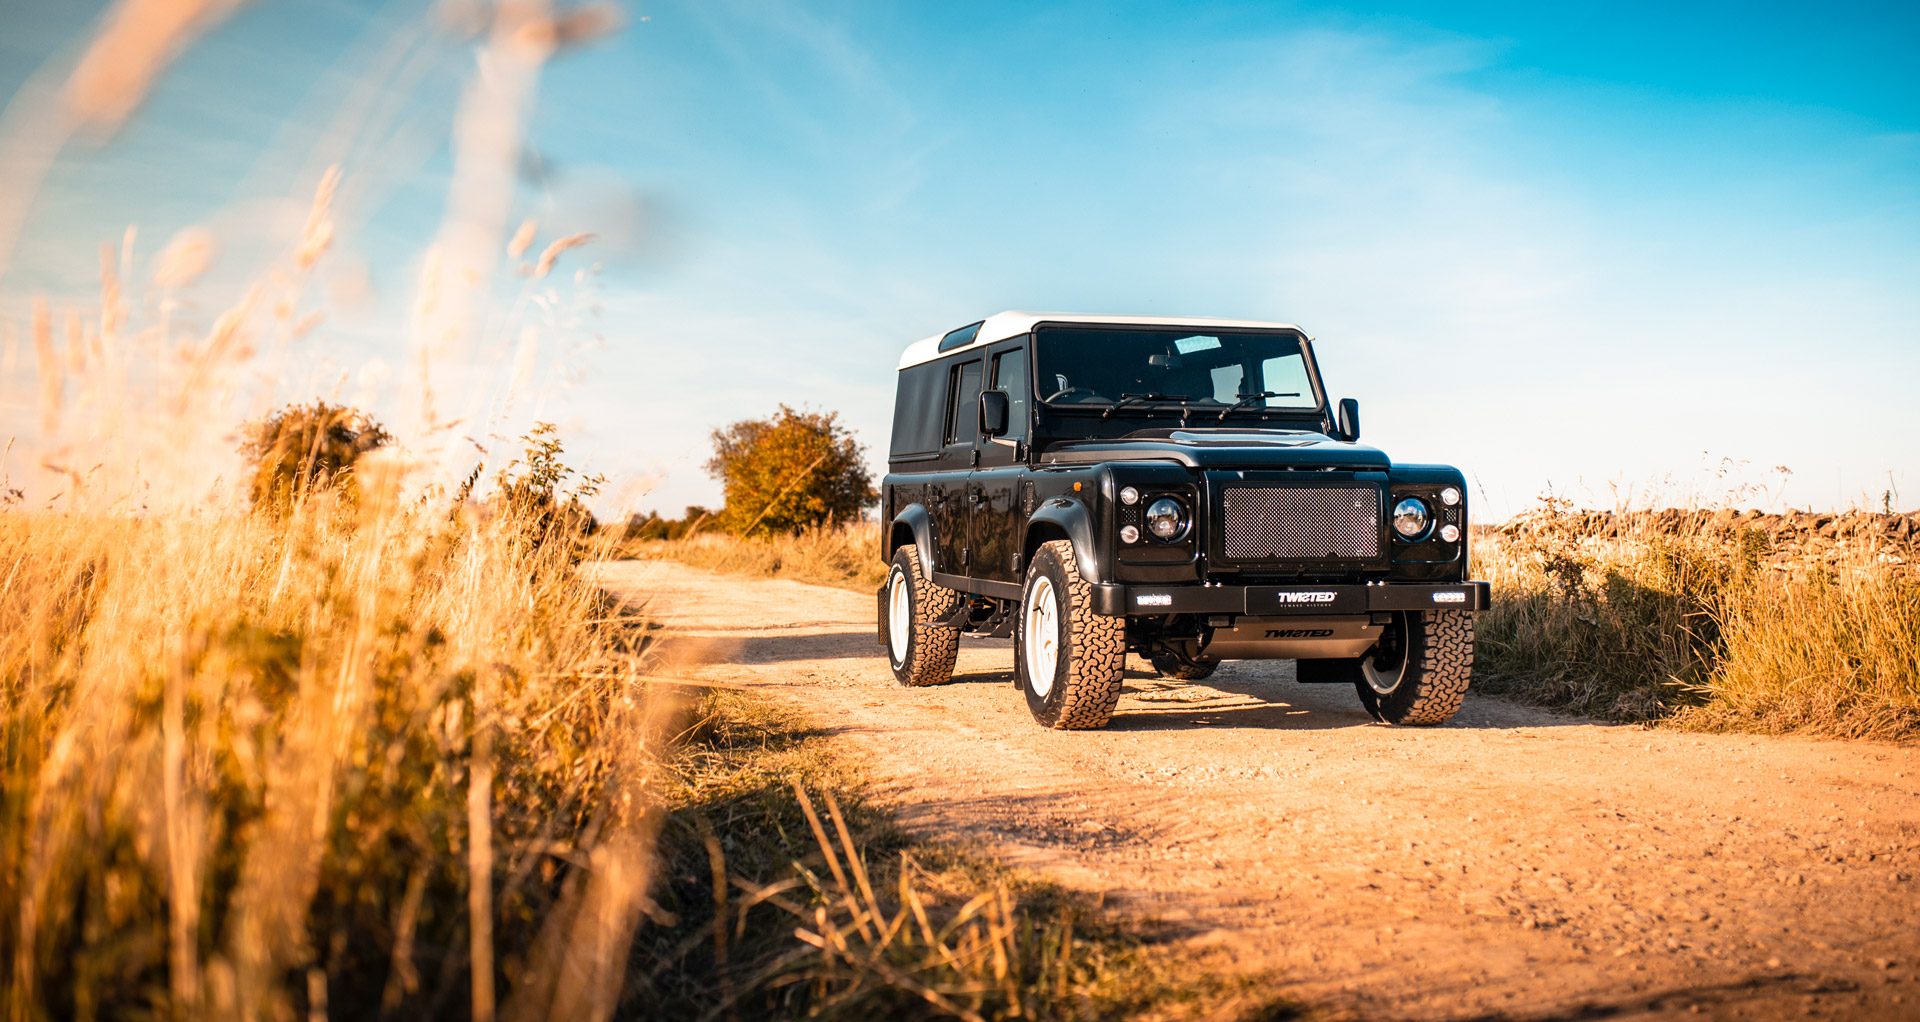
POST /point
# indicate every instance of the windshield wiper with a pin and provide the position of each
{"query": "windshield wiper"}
(1127, 399)
(1246, 399)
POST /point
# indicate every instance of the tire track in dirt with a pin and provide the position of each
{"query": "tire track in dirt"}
(1513, 864)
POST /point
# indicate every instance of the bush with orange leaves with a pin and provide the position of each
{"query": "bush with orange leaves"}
(790, 471)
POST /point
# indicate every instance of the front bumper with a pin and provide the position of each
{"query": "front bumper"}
(1120, 600)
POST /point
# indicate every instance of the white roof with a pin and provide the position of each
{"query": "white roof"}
(1002, 325)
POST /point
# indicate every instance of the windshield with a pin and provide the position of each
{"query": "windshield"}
(1144, 369)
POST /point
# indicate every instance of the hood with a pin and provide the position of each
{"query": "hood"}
(1222, 449)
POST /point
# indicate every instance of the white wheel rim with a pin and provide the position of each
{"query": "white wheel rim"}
(899, 615)
(1042, 646)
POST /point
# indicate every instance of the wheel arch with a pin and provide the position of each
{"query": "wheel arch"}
(913, 525)
(1068, 520)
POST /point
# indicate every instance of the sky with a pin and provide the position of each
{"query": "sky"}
(1639, 251)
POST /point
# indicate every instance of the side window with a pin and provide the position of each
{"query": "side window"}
(963, 409)
(1010, 375)
(919, 408)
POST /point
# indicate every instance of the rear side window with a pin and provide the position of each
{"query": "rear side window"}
(918, 407)
(963, 415)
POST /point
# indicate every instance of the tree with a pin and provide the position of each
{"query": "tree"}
(303, 448)
(790, 471)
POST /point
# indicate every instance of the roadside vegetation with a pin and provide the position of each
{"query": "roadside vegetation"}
(339, 754)
(846, 556)
(1713, 620)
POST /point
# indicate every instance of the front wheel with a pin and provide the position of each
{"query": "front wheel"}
(1068, 660)
(1418, 673)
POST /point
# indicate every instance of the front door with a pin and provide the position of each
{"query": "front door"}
(997, 518)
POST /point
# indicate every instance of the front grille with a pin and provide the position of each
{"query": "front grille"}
(1296, 523)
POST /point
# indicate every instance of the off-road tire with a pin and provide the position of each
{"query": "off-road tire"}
(1433, 681)
(932, 645)
(1092, 652)
(1171, 666)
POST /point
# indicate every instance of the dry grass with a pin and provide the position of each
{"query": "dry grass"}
(791, 897)
(1699, 629)
(831, 555)
(340, 761)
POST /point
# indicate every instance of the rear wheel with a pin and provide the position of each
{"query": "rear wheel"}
(921, 646)
(1418, 673)
(1068, 659)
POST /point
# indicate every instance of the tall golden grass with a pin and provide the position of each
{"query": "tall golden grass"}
(1702, 628)
(343, 761)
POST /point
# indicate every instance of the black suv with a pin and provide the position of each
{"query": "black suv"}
(1177, 488)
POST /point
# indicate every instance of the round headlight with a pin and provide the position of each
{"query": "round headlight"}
(1167, 519)
(1410, 518)
(1129, 534)
(1450, 533)
(1129, 495)
(1450, 496)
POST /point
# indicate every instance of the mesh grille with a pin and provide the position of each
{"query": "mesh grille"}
(1297, 523)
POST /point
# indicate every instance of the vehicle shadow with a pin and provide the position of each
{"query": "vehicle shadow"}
(1241, 694)
(778, 648)
(1766, 994)
(1264, 694)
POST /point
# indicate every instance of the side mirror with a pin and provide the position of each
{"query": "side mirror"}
(1347, 422)
(994, 412)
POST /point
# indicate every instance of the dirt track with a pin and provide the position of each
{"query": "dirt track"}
(1513, 864)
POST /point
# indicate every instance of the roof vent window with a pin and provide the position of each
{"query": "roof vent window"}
(960, 338)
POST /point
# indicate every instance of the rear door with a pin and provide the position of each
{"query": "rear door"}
(952, 514)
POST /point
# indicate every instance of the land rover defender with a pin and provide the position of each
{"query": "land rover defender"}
(1180, 489)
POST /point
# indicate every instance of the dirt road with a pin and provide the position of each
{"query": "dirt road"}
(1513, 864)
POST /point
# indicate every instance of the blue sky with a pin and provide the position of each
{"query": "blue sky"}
(1565, 246)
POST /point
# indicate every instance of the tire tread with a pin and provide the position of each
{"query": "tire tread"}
(935, 648)
(1443, 659)
(1095, 651)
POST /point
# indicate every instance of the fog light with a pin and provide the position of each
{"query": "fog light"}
(1450, 496)
(1450, 533)
(1167, 519)
(1129, 534)
(1411, 518)
(1129, 495)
